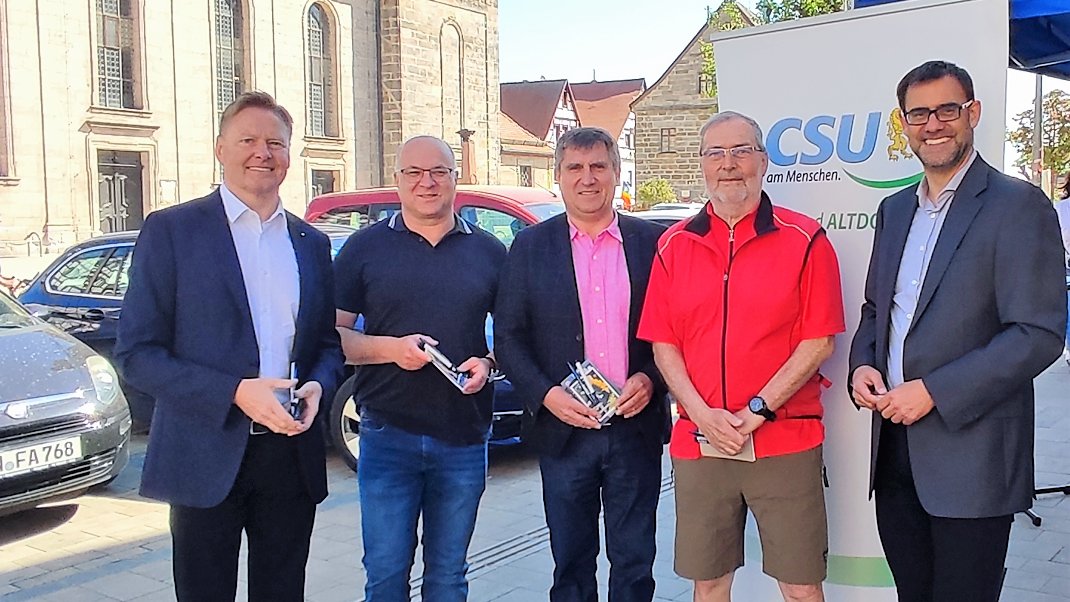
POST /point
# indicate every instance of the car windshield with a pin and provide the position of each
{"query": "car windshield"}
(12, 315)
(545, 211)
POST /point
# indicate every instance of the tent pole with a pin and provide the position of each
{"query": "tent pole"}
(1038, 138)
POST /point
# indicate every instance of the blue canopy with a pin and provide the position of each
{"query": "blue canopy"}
(1040, 35)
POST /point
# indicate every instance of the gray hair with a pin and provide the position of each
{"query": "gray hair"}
(446, 151)
(585, 138)
(726, 116)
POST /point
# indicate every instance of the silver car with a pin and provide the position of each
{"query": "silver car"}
(64, 422)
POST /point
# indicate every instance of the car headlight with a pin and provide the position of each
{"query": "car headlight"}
(105, 381)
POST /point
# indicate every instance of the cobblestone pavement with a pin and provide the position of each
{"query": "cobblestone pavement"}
(114, 545)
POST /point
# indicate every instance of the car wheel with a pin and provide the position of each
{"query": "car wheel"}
(345, 424)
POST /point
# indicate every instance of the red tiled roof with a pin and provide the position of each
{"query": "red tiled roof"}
(532, 104)
(517, 140)
(606, 104)
(603, 90)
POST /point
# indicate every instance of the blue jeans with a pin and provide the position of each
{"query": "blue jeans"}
(613, 470)
(402, 475)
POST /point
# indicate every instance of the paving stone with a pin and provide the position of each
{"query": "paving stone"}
(1034, 550)
(1057, 586)
(46, 577)
(125, 586)
(1055, 569)
(76, 594)
(160, 571)
(1025, 580)
(166, 594)
(1011, 594)
(338, 593)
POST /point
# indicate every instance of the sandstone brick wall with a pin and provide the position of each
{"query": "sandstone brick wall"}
(427, 46)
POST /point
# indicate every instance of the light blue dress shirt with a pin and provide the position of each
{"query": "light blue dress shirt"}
(924, 232)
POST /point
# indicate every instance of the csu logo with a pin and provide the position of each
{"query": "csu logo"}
(827, 135)
(824, 137)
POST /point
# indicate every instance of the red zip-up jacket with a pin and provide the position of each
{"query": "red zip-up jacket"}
(737, 302)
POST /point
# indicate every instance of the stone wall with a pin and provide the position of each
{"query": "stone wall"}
(440, 74)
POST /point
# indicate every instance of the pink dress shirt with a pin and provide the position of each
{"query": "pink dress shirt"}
(605, 298)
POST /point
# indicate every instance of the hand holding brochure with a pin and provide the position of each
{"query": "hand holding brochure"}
(591, 388)
(746, 453)
(444, 365)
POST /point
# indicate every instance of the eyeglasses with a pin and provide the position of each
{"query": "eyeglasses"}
(945, 113)
(738, 152)
(415, 174)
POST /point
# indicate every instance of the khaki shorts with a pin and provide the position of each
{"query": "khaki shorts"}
(786, 496)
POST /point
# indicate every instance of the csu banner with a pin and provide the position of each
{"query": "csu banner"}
(823, 90)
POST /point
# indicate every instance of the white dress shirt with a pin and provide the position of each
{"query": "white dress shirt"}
(272, 283)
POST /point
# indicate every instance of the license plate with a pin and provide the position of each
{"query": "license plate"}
(40, 456)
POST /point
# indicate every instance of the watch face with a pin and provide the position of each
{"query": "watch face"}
(756, 404)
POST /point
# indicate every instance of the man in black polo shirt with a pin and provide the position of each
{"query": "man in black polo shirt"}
(423, 275)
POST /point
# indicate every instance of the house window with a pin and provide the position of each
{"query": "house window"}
(628, 140)
(117, 58)
(525, 175)
(666, 140)
(561, 128)
(323, 181)
(320, 84)
(706, 85)
(229, 52)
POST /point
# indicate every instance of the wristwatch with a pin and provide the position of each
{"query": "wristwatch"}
(758, 406)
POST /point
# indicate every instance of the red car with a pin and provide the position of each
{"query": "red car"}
(500, 210)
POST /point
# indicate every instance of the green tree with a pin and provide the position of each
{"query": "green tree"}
(727, 17)
(771, 11)
(1055, 135)
(654, 190)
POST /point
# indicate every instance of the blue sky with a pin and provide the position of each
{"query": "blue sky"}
(618, 39)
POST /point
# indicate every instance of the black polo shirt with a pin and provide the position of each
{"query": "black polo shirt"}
(403, 285)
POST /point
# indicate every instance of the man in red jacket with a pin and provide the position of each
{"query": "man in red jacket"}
(743, 306)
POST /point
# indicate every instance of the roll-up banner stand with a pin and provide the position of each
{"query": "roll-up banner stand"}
(823, 90)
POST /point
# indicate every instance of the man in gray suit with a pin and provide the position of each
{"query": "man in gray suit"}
(965, 305)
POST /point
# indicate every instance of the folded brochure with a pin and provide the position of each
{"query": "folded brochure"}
(444, 365)
(591, 388)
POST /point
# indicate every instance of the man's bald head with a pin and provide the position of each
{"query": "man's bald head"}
(421, 146)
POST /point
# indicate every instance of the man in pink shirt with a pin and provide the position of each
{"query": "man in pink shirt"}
(572, 291)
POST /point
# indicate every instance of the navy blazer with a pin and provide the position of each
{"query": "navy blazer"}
(991, 316)
(186, 338)
(538, 327)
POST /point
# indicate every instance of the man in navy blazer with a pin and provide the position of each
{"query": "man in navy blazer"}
(572, 290)
(230, 297)
(964, 306)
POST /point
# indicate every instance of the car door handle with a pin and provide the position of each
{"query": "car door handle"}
(93, 315)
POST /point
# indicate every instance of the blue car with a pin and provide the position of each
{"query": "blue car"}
(81, 292)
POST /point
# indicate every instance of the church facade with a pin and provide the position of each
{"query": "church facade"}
(109, 108)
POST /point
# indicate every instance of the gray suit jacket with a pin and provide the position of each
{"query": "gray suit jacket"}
(991, 316)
